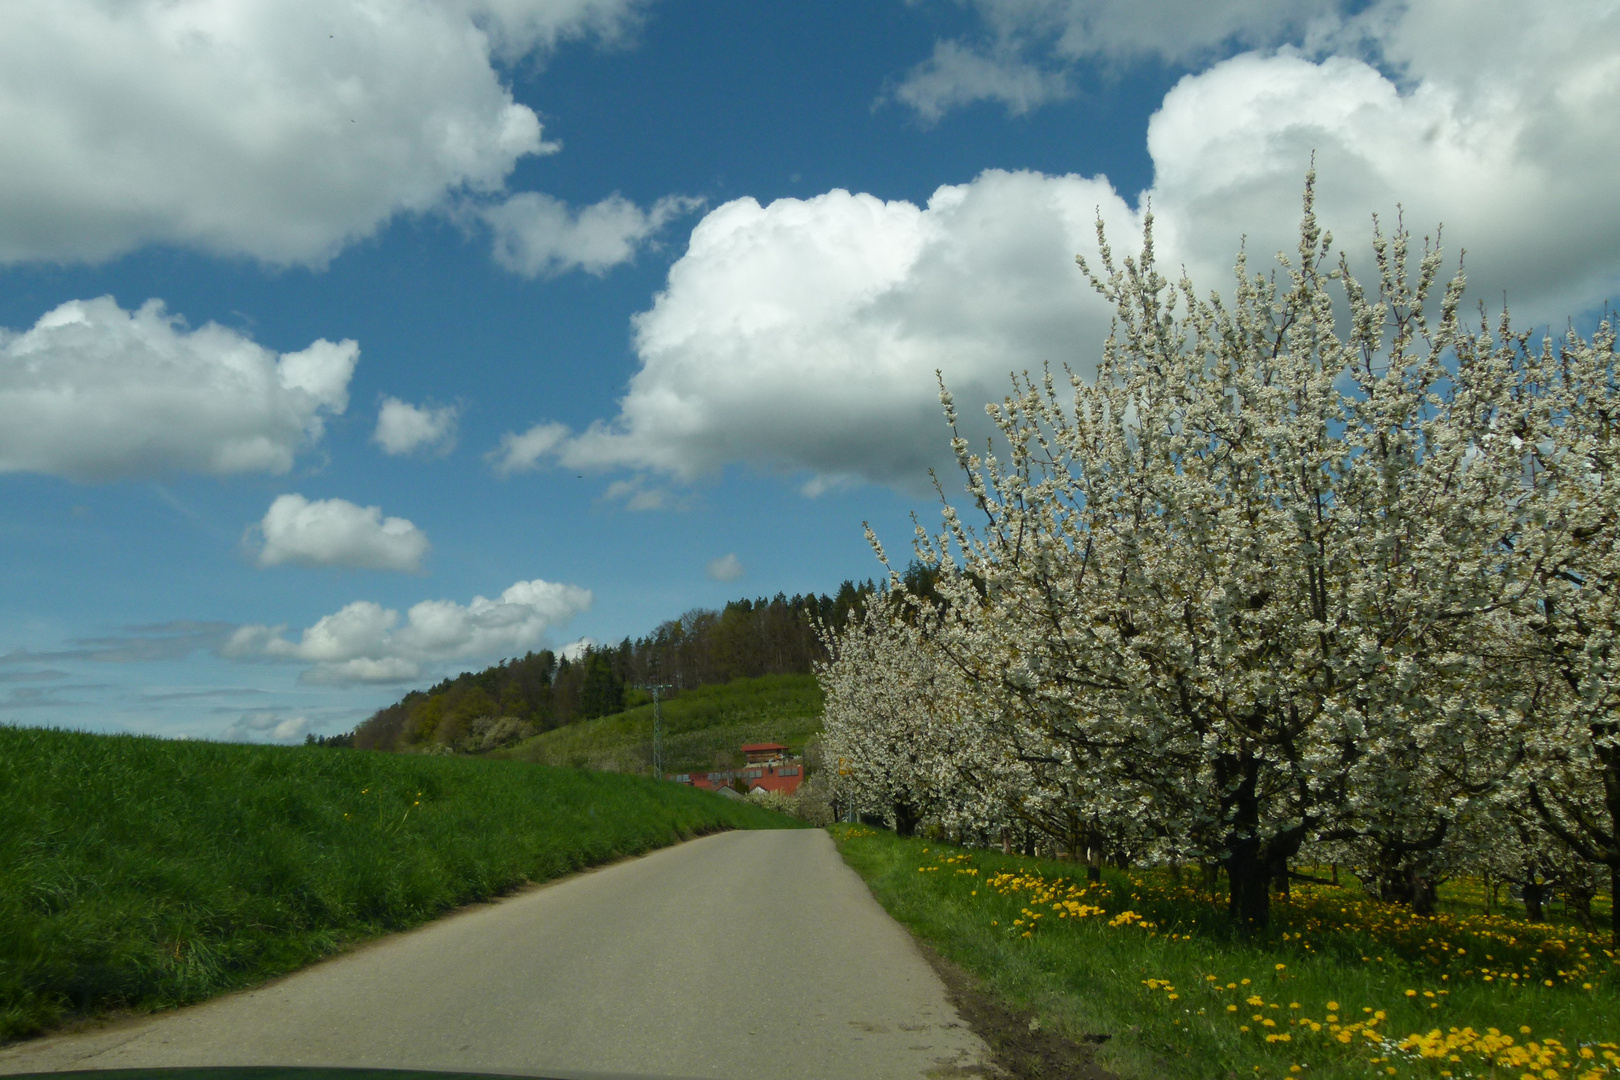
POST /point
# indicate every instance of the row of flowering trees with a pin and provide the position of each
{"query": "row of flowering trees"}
(1317, 571)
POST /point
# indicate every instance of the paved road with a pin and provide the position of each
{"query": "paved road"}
(743, 955)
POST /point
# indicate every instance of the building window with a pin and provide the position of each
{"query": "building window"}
(787, 772)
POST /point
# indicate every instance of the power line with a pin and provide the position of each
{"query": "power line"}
(658, 727)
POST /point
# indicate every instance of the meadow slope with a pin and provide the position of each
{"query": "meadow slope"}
(142, 873)
(703, 727)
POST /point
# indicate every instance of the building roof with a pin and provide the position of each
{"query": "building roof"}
(754, 748)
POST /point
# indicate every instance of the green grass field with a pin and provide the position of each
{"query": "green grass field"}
(1340, 986)
(141, 873)
(702, 728)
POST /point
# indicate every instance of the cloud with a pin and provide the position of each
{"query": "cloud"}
(1501, 133)
(136, 645)
(93, 392)
(150, 698)
(637, 496)
(725, 568)
(574, 650)
(802, 336)
(268, 726)
(403, 428)
(959, 75)
(539, 236)
(522, 453)
(366, 642)
(46, 675)
(336, 532)
(1029, 48)
(281, 130)
(39, 697)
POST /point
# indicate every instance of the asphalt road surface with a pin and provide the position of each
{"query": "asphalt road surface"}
(743, 955)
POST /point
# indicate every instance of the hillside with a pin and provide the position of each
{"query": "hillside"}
(702, 728)
(518, 698)
(143, 873)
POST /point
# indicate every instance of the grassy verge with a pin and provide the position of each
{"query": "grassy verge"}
(1340, 987)
(702, 728)
(143, 873)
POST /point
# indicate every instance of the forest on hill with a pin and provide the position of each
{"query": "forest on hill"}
(478, 711)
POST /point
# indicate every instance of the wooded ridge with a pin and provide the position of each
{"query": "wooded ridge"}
(520, 697)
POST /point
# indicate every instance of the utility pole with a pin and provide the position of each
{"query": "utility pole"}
(658, 728)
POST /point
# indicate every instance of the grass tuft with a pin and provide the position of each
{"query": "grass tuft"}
(142, 873)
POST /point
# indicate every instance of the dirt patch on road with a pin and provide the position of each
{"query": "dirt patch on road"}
(1022, 1048)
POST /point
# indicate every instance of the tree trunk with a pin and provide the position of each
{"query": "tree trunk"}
(1423, 892)
(905, 819)
(1614, 899)
(1249, 903)
(1578, 902)
(1534, 893)
(1250, 864)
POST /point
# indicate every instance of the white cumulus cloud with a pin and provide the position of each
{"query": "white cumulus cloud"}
(802, 336)
(403, 428)
(537, 235)
(94, 392)
(336, 532)
(276, 129)
(366, 642)
(725, 568)
(522, 452)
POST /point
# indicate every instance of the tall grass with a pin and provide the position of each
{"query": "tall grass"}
(702, 728)
(136, 872)
(1333, 990)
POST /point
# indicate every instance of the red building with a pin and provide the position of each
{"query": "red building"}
(770, 767)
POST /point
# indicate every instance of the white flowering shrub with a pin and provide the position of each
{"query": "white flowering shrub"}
(1316, 565)
(892, 737)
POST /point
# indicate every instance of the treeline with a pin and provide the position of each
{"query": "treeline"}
(517, 698)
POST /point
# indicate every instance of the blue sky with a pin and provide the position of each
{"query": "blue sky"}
(351, 344)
